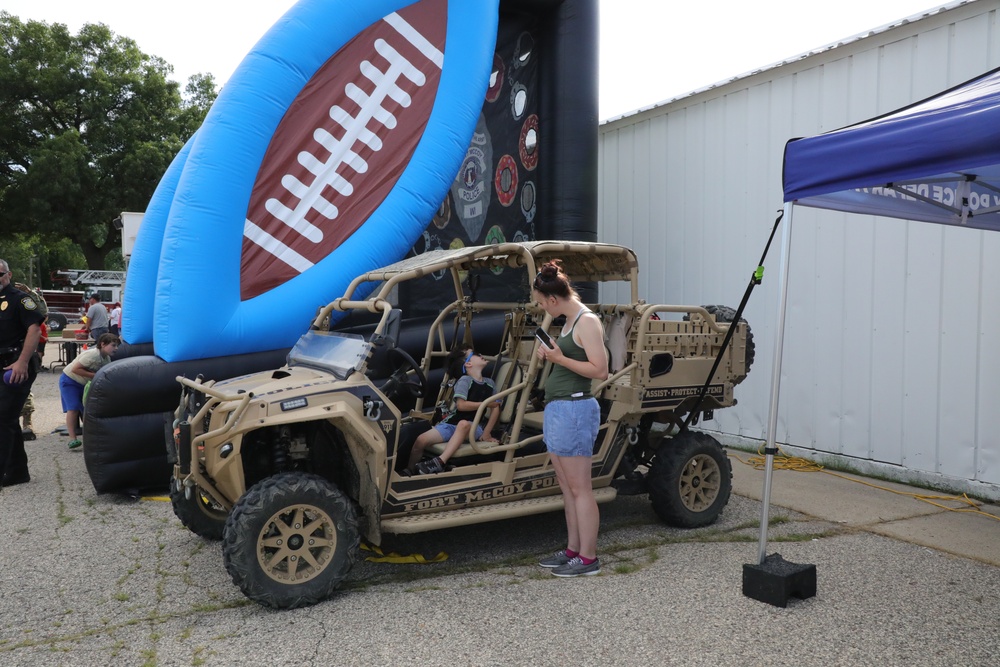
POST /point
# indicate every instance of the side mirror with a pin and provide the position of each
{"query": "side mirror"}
(390, 336)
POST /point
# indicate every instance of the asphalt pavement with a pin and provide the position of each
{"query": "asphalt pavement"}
(89, 579)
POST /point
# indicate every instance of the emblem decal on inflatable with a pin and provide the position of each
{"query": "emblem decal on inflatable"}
(506, 180)
(528, 143)
(471, 188)
(496, 79)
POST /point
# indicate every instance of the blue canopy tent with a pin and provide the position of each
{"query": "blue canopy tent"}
(937, 160)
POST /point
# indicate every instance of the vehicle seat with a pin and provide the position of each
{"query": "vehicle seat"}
(534, 420)
(509, 374)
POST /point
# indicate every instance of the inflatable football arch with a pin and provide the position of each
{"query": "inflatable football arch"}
(352, 134)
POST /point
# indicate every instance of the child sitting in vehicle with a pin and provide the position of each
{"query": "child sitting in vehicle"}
(471, 390)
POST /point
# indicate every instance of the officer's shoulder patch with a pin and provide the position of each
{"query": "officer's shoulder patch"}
(29, 303)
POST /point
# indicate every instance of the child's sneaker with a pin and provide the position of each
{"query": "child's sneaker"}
(555, 560)
(73, 444)
(576, 568)
(432, 466)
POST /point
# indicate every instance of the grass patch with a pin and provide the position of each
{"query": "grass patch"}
(154, 619)
(836, 465)
(197, 659)
(806, 537)
(61, 514)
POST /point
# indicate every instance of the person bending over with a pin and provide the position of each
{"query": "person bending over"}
(471, 390)
(75, 377)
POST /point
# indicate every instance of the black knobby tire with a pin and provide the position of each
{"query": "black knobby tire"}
(290, 540)
(690, 480)
(199, 513)
(727, 314)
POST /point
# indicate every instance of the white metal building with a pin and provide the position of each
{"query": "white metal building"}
(892, 343)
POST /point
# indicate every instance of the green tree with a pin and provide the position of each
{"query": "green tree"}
(88, 125)
(33, 260)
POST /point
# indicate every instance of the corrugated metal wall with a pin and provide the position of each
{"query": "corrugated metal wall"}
(892, 343)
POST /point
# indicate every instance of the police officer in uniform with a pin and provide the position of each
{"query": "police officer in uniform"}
(20, 327)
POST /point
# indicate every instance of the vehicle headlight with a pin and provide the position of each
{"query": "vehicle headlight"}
(294, 404)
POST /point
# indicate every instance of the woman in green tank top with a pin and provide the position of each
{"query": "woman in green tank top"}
(572, 416)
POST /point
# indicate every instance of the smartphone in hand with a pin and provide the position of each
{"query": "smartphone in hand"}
(545, 338)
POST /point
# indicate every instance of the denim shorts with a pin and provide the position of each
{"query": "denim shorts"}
(570, 427)
(447, 430)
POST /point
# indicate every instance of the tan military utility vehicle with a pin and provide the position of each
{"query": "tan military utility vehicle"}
(291, 468)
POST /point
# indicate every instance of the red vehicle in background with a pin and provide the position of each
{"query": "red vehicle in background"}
(68, 305)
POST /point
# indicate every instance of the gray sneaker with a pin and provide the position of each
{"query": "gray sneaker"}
(429, 467)
(576, 568)
(555, 560)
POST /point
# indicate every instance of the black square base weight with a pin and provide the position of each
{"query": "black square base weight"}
(776, 579)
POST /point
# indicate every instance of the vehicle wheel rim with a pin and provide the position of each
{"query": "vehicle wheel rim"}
(700, 483)
(296, 544)
(211, 508)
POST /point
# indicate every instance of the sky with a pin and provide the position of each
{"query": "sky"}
(650, 50)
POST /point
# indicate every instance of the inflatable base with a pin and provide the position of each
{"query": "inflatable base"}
(131, 403)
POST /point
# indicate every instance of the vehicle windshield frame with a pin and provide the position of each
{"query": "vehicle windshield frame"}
(339, 353)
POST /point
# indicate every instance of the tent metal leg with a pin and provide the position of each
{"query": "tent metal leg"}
(779, 335)
(773, 579)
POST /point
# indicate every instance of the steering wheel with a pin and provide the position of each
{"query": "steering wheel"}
(406, 375)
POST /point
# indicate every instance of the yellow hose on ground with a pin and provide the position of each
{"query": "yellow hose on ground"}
(783, 461)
